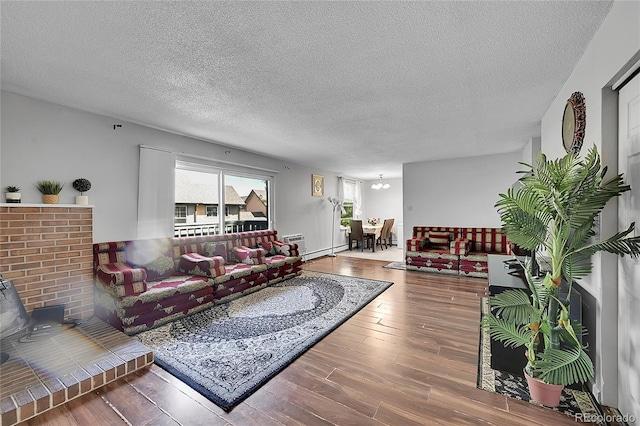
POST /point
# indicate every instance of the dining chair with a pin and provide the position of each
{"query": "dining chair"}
(385, 233)
(357, 234)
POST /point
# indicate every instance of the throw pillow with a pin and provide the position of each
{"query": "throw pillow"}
(248, 255)
(439, 239)
(424, 243)
(282, 248)
(268, 246)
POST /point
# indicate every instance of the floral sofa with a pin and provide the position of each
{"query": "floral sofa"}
(453, 250)
(142, 284)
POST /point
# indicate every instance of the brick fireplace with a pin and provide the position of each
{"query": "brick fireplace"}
(47, 252)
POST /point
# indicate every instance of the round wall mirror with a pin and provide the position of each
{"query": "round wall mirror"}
(574, 123)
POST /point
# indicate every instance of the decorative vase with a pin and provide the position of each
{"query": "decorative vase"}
(82, 200)
(50, 198)
(12, 197)
(544, 393)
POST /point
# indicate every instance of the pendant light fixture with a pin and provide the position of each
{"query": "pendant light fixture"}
(380, 185)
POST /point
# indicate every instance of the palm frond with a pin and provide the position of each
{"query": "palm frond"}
(507, 332)
(620, 244)
(514, 305)
(564, 366)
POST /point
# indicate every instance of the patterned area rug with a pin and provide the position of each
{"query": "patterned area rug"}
(396, 265)
(575, 403)
(229, 351)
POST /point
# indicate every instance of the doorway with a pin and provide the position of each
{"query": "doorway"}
(629, 268)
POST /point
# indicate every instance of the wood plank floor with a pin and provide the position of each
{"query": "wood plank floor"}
(408, 358)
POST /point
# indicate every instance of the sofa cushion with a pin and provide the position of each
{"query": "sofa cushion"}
(109, 252)
(487, 240)
(197, 264)
(216, 249)
(155, 256)
(282, 248)
(460, 246)
(248, 255)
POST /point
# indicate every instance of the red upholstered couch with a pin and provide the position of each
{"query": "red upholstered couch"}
(143, 284)
(453, 250)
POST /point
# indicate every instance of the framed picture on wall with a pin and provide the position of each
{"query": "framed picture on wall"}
(317, 185)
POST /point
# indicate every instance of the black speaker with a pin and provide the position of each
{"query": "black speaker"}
(48, 315)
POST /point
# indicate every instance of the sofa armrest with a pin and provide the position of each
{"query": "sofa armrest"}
(197, 264)
(413, 244)
(122, 278)
(286, 249)
(120, 273)
(460, 246)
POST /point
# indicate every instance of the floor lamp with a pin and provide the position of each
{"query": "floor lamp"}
(335, 202)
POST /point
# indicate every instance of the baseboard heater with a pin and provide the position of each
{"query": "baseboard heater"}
(299, 240)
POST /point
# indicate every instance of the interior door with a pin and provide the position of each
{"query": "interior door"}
(629, 269)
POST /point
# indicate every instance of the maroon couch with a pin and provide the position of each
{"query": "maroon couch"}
(142, 284)
(453, 250)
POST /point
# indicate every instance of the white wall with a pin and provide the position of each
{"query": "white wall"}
(531, 150)
(614, 47)
(42, 140)
(384, 204)
(458, 192)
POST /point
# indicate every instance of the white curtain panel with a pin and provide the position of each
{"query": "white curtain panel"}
(357, 200)
(156, 197)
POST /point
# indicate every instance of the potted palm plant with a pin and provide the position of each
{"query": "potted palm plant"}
(554, 211)
(50, 190)
(12, 194)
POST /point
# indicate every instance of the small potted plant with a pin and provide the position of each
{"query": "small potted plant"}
(50, 190)
(555, 210)
(12, 194)
(82, 185)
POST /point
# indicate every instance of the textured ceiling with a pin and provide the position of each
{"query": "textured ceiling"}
(351, 87)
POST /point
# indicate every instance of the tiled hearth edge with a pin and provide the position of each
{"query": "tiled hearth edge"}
(46, 250)
(114, 356)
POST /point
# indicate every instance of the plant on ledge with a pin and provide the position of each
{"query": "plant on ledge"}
(12, 194)
(50, 190)
(81, 185)
(49, 187)
(555, 210)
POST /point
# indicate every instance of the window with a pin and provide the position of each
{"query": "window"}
(246, 202)
(199, 189)
(349, 188)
